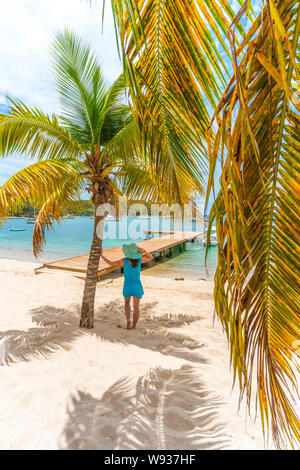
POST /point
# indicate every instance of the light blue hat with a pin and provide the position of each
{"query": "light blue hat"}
(130, 251)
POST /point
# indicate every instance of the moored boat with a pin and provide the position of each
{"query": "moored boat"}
(31, 220)
(213, 240)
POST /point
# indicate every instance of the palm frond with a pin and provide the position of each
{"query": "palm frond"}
(81, 86)
(123, 146)
(29, 130)
(258, 274)
(35, 183)
(116, 119)
(53, 209)
(115, 112)
(140, 183)
(143, 174)
(174, 69)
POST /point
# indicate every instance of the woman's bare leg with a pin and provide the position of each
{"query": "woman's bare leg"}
(127, 310)
(136, 311)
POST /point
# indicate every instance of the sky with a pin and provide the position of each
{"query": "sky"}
(27, 29)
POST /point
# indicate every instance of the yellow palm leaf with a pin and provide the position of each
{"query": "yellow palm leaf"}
(258, 274)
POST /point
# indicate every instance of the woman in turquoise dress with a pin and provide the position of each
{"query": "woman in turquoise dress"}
(134, 257)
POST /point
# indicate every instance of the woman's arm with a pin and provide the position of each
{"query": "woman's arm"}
(146, 257)
(113, 263)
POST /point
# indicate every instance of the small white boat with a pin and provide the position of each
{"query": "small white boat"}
(31, 220)
(69, 216)
(213, 240)
(107, 217)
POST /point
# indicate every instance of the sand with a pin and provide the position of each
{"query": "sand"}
(166, 385)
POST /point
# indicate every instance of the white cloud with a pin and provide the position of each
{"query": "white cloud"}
(27, 29)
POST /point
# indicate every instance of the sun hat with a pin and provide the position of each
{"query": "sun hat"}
(131, 251)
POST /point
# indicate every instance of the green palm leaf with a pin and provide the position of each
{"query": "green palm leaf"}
(174, 69)
(80, 85)
(29, 130)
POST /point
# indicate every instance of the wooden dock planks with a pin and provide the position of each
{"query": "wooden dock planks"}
(78, 264)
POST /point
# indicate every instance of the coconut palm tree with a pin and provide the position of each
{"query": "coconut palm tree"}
(95, 144)
(176, 69)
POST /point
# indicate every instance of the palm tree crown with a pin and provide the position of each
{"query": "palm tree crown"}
(95, 144)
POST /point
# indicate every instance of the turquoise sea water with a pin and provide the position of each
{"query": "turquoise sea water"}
(73, 237)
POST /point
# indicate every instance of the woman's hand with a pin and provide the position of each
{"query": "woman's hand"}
(146, 257)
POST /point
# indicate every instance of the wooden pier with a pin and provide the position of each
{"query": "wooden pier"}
(162, 246)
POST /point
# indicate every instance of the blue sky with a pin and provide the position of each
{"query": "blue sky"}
(27, 29)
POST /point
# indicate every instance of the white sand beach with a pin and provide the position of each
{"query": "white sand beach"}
(166, 385)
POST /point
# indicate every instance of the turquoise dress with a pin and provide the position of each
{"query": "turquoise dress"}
(132, 282)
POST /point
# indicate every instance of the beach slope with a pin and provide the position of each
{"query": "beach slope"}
(166, 385)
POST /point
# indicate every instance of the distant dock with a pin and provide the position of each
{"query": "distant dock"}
(162, 246)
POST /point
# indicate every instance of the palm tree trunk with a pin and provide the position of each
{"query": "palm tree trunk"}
(88, 301)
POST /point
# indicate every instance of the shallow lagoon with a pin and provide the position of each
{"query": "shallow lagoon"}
(73, 237)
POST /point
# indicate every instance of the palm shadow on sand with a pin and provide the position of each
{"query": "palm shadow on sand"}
(164, 409)
(58, 329)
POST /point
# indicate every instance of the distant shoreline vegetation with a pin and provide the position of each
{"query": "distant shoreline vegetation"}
(78, 208)
(83, 208)
(131, 208)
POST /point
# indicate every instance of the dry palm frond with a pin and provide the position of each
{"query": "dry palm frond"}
(256, 210)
